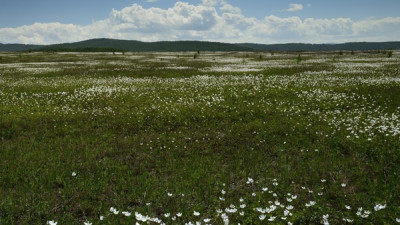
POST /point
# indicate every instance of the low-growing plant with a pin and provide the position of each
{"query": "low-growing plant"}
(85, 138)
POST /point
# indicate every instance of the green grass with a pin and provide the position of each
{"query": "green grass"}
(139, 126)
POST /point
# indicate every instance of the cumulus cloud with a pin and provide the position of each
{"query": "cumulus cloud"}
(295, 7)
(212, 3)
(212, 20)
(228, 8)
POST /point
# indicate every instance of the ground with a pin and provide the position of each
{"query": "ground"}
(209, 137)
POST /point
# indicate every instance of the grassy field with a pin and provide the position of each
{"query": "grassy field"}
(200, 138)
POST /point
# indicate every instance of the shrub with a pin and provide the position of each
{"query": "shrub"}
(299, 58)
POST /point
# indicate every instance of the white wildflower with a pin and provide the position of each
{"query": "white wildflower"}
(286, 212)
(225, 218)
(311, 203)
(249, 180)
(126, 213)
(325, 219)
(114, 210)
(140, 217)
(289, 207)
(348, 220)
(379, 207)
(230, 210)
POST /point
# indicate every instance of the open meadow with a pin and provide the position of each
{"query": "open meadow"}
(200, 138)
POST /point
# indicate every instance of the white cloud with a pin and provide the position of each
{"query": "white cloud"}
(295, 7)
(228, 8)
(211, 3)
(151, 1)
(204, 22)
(182, 16)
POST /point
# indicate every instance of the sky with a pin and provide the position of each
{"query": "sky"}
(232, 21)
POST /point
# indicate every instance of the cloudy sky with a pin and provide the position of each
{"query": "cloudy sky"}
(234, 21)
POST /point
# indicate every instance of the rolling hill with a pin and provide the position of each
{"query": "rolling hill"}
(138, 46)
(108, 45)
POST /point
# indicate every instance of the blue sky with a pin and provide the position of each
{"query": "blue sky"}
(312, 21)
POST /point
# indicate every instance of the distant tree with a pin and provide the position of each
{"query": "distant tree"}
(299, 58)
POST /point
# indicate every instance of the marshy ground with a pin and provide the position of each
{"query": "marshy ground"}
(200, 138)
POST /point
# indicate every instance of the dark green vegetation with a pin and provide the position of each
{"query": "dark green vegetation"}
(113, 45)
(17, 47)
(161, 133)
(133, 46)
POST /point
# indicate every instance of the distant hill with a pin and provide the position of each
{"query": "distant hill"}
(108, 45)
(351, 46)
(17, 47)
(138, 46)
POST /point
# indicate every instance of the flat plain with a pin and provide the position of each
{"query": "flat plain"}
(200, 138)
